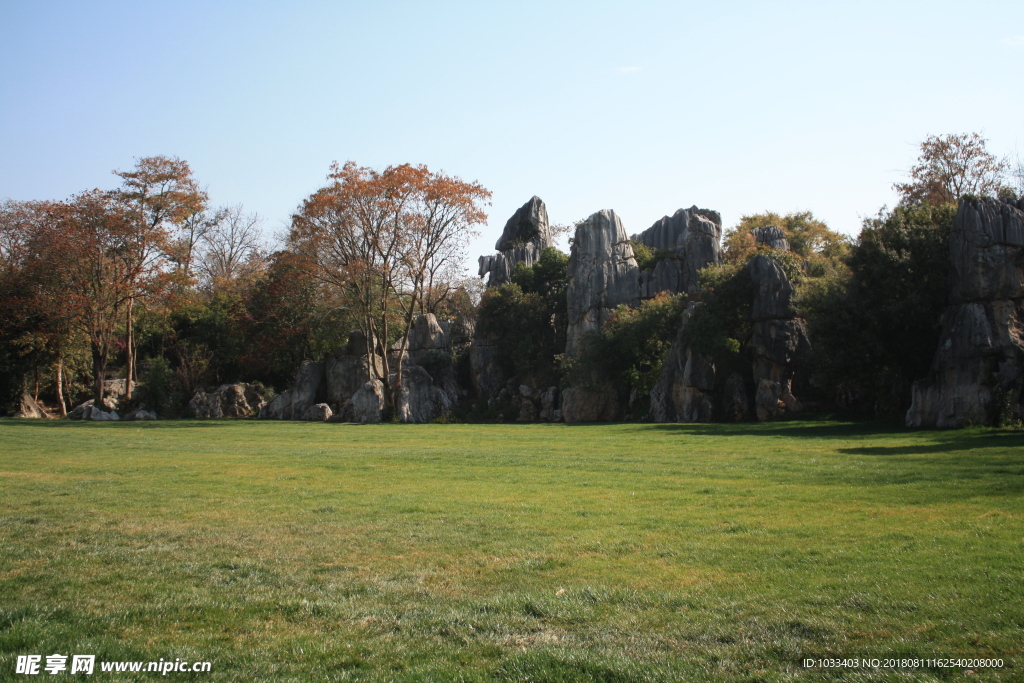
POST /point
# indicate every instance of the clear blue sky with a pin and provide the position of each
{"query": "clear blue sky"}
(641, 107)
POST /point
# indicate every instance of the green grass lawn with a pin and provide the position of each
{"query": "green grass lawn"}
(298, 551)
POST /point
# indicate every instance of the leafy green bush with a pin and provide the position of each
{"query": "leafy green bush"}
(527, 318)
(875, 329)
(646, 257)
(628, 352)
(634, 341)
(721, 327)
(435, 361)
(157, 387)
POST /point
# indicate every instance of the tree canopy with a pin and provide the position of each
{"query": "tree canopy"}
(951, 167)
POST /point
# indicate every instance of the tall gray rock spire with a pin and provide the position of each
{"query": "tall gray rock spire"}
(525, 236)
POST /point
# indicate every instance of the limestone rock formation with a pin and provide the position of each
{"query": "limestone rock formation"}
(669, 232)
(692, 389)
(309, 385)
(589, 404)
(487, 375)
(337, 381)
(602, 274)
(419, 398)
(28, 408)
(525, 236)
(318, 412)
(549, 410)
(693, 238)
(529, 403)
(228, 400)
(345, 374)
(685, 389)
(140, 414)
(427, 334)
(368, 402)
(779, 339)
(771, 236)
(978, 369)
(528, 224)
(90, 411)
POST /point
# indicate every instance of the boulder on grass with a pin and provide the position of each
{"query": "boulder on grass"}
(90, 411)
(320, 412)
(228, 400)
(368, 403)
(28, 408)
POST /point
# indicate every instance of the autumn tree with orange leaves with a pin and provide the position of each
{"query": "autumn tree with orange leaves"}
(383, 238)
(160, 195)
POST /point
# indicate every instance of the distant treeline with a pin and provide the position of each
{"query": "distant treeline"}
(149, 283)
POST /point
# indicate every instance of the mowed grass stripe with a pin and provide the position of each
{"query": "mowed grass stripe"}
(299, 551)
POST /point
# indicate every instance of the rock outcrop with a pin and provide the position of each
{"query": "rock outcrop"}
(419, 398)
(28, 408)
(977, 375)
(692, 389)
(685, 391)
(586, 404)
(771, 236)
(90, 411)
(367, 405)
(425, 335)
(318, 412)
(691, 239)
(525, 236)
(344, 387)
(348, 369)
(778, 341)
(486, 373)
(228, 400)
(309, 387)
(602, 274)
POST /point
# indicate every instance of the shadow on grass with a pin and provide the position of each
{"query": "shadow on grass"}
(949, 442)
(823, 427)
(931, 441)
(117, 424)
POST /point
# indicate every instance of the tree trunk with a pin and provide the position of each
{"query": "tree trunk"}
(69, 392)
(402, 349)
(35, 394)
(60, 388)
(130, 351)
(99, 371)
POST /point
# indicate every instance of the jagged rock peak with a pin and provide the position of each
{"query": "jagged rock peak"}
(772, 289)
(771, 236)
(526, 235)
(602, 274)
(670, 232)
(985, 247)
(528, 224)
(978, 369)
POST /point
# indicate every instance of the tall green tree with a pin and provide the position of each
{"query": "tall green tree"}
(875, 329)
(527, 318)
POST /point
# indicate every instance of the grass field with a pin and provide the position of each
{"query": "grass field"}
(613, 553)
